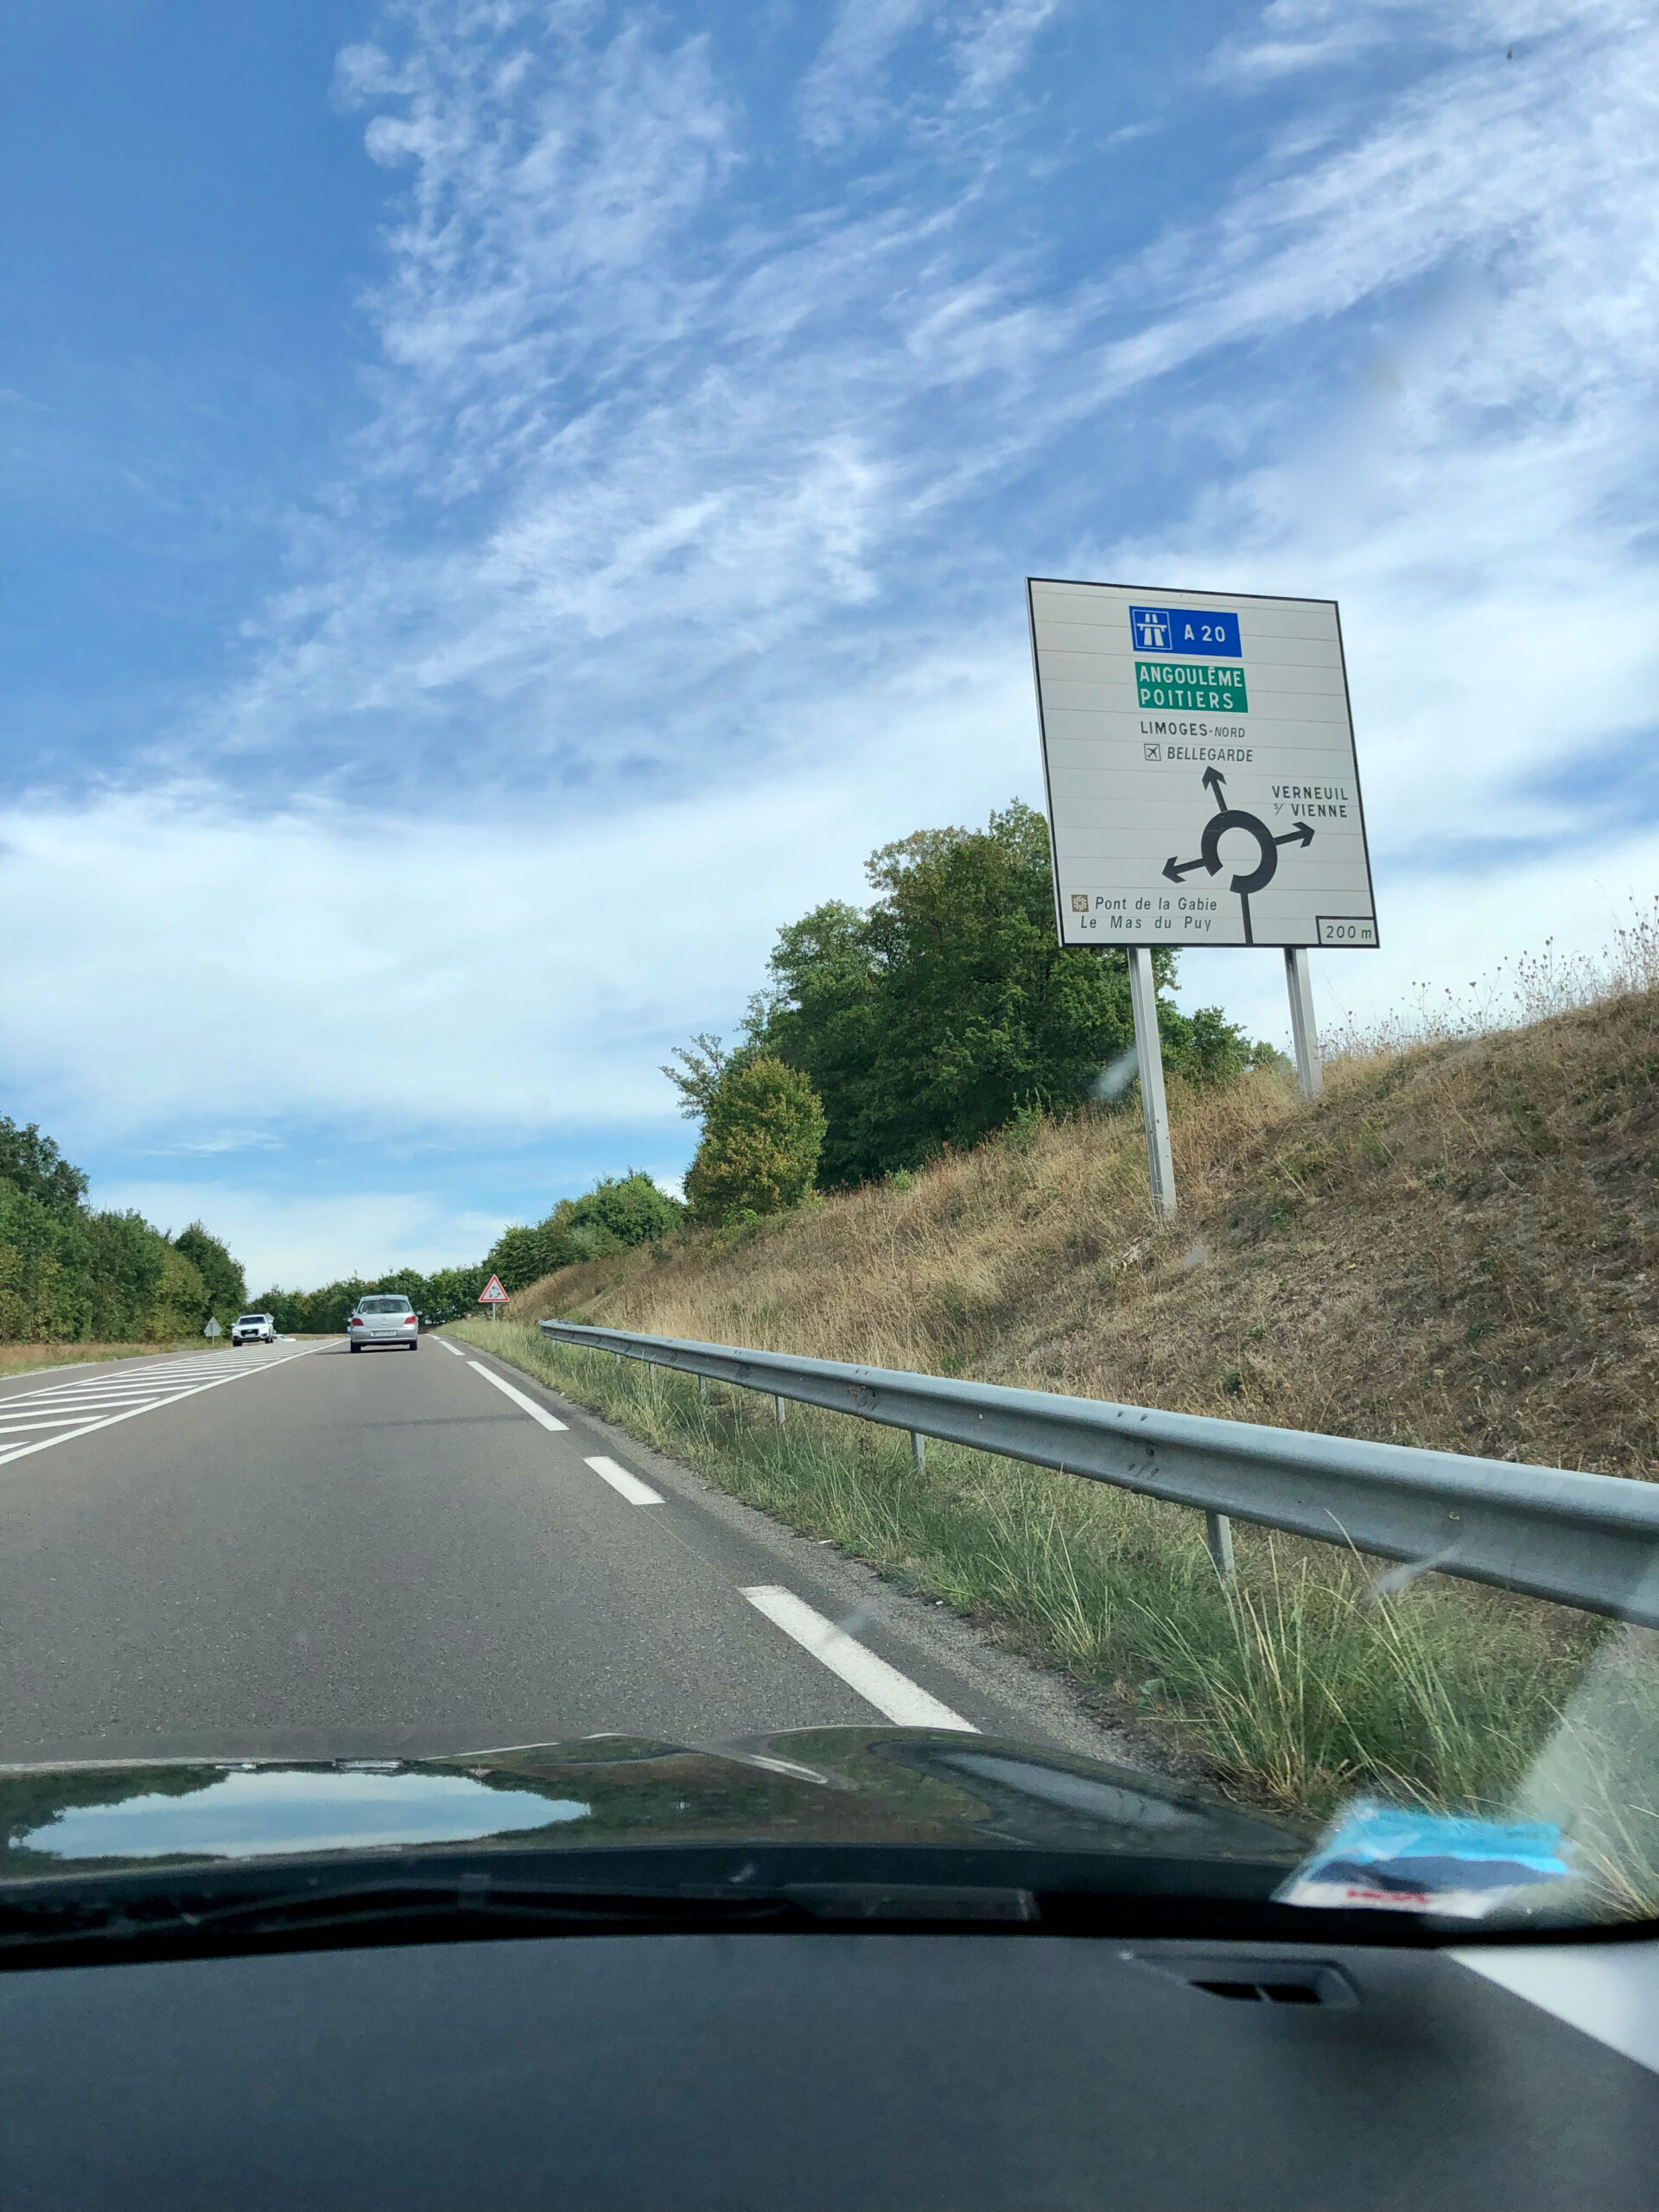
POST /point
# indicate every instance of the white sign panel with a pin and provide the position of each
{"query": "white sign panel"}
(1199, 755)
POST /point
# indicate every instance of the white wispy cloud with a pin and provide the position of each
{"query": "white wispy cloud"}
(959, 58)
(680, 561)
(406, 973)
(296, 1243)
(647, 469)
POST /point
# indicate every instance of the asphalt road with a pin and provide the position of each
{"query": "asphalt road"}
(292, 1551)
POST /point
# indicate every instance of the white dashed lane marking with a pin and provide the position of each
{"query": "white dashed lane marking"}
(893, 1695)
(529, 1405)
(632, 1488)
(906, 1704)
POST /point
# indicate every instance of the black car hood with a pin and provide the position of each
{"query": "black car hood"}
(829, 1786)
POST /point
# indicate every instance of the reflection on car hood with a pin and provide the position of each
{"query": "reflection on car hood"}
(818, 1786)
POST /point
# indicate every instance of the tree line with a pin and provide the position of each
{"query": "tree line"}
(69, 1273)
(620, 1210)
(441, 1296)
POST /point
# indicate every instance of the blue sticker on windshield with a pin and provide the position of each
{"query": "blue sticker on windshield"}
(1390, 1858)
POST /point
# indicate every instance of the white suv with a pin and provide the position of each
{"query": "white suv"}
(254, 1329)
(384, 1319)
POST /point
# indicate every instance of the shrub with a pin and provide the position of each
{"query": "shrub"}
(761, 1139)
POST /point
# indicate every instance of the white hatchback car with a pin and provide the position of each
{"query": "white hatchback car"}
(384, 1319)
(254, 1329)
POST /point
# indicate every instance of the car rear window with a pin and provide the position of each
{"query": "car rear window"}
(252, 1317)
(382, 1305)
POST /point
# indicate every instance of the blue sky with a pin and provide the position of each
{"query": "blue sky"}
(509, 504)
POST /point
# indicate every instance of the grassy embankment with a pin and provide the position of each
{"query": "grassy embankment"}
(1455, 1249)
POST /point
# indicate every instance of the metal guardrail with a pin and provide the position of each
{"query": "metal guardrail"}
(1586, 1540)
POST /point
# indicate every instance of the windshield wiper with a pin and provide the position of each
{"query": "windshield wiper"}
(184, 1918)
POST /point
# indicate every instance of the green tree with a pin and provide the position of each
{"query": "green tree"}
(179, 1303)
(45, 1269)
(323, 1312)
(454, 1291)
(126, 1271)
(227, 1291)
(69, 1273)
(620, 1210)
(412, 1284)
(629, 1208)
(516, 1257)
(702, 1062)
(949, 1005)
(762, 1136)
(35, 1166)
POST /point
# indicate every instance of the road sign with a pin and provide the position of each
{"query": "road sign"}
(212, 1328)
(1199, 756)
(492, 1294)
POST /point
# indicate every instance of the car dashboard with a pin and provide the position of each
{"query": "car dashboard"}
(1010, 2069)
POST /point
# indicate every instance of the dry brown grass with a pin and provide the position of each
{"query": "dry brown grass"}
(1456, 1247)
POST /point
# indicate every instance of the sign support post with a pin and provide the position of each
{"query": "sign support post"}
(1310, 1075)
(1149, 1056)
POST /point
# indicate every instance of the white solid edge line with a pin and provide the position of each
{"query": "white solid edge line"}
(447, 1346)
(1608, 1991)
(536, 1412)
(630, 1487)
(906, 1704)
(215, 1383)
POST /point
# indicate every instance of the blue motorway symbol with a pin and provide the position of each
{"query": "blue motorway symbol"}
(1184, 629)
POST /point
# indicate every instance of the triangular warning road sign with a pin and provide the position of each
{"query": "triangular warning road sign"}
(492, 1294)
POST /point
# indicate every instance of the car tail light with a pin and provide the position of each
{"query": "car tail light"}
(411, 1320)
(356, 1321)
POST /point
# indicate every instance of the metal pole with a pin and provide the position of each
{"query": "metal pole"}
(1218, 1534)
(1149, 1054)
(702, 1388)
(1310, 1075)
(778, 1405)
(918, 1451)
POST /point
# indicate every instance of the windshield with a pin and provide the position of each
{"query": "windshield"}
(886, 767)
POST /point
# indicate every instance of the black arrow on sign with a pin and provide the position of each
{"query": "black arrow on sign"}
(1175, 869)
(1301, 834)
(1213, 780)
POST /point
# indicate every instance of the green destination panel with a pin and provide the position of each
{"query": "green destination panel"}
(1193, 685)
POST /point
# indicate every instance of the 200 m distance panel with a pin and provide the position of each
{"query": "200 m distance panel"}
(1200, 757)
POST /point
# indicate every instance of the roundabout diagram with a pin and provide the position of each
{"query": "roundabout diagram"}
(1246, 881)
